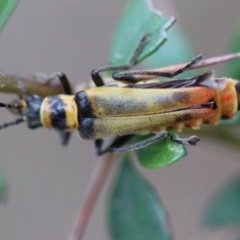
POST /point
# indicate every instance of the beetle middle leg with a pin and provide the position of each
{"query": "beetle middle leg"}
(192, 140)
(97, 79)
(136, 76)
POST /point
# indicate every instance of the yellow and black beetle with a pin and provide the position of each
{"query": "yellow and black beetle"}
(121, 111)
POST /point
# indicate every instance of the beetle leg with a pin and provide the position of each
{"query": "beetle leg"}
(117, 143)
(17, 121)
(65, 83)
(192, 140)
(65, 136)
(136, 76)
(96, 77)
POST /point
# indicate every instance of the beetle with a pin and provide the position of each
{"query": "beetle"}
(136, 107)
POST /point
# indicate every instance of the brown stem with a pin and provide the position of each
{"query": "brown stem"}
(97, 181)
(38, 84)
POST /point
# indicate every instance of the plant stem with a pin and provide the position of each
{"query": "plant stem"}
(38, 84)
(94, 188)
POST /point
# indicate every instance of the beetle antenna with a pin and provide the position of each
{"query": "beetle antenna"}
(14, 105)
(16, 122)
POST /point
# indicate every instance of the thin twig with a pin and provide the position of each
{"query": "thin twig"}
(97, 181)
(38, 84)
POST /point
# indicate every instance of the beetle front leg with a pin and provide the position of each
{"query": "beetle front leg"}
(96, 77)
(64, 83)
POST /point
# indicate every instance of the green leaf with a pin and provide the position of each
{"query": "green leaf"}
(6, 9)
(135, 210)
(3, 189)
(224, 208)
(159, 154)
(138, 19)
(177, 49)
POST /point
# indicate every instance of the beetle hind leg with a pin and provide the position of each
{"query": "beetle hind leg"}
(116, 144)
(188, 66)
(140, 75)
(192, 140)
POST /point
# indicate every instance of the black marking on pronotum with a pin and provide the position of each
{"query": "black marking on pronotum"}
(32, 111)
(57, 113)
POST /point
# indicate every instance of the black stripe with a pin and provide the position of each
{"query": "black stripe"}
(83, 104)
(85, 115)
(57, 113)
(86, 128)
